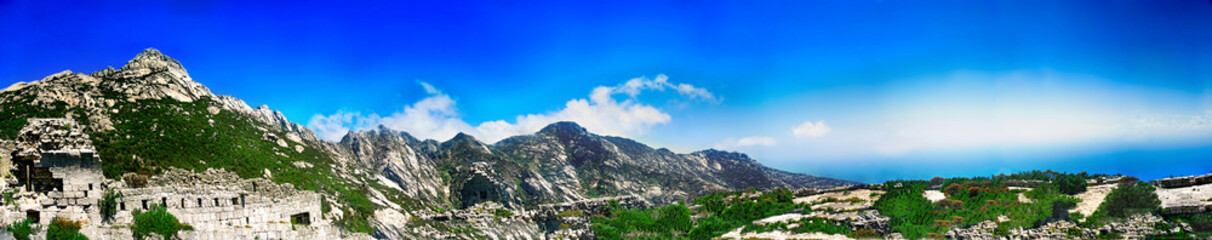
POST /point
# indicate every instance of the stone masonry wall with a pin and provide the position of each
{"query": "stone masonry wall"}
(219, 202)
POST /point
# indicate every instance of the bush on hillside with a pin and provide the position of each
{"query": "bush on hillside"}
(1130, 198)
(109, 205)
(62, 229)
(22, 229)
(156, 220)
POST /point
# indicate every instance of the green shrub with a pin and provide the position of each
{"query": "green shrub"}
(502, 213)
(1130, 198)
(156, 220)
(62, 229)
(8, 197)
(22, 229)
(108, 204)
(675, 217)
(1070, 183)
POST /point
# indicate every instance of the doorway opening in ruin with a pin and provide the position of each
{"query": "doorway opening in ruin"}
(33, 215)
(144, 204)
(122, 206)
(301, 218)
(478, 189)
(164, 202)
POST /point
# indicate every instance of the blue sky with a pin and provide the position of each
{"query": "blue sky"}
(861, 90)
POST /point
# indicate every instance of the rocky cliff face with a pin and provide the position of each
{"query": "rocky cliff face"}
(382, 175)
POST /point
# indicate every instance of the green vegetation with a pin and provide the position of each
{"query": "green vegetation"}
(22, 229)
(502, 213)
(156, 220)
(806, 225)
(8, 197)
(109, 204)
(721, 211)
(1130, 198)
(13, 114)
(62, 229)
(1201, 225)
(670, 222)
(972, 200)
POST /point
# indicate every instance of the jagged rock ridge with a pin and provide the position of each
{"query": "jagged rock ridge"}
(398, 175)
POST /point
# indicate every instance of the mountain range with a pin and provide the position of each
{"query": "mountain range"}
(150, 116)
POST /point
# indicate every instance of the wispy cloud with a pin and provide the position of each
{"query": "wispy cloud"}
(733, 143)
(437, 115)
(808, 129)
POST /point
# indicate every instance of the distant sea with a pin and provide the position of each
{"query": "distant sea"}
(1147, 163)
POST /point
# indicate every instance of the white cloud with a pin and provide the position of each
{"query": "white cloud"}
(437, 117)
(331, 127)
(731, 143)
(811, 130)
(634, 86)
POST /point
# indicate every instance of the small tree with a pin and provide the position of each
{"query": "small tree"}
(1071, 183)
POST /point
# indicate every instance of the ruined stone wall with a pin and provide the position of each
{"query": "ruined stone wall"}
(66, 156)
(81, 175)
(590, 206)
(217, 200)
(1177, 182)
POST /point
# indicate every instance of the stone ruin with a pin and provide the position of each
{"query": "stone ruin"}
(219, 204)
(483, 185)
(1187, 181)
(56, 173)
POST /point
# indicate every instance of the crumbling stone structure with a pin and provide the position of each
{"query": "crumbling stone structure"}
(56, 173)
(220, 202)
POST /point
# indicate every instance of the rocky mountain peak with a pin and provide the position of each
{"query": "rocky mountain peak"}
(463, 137)
(564, 128)
(152, 59)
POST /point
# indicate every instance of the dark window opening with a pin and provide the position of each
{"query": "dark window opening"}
(241, 200)
(85, 194)
(122, 206)
(34, 216)
(144, 204)
(301, 218)
(199, 202)
(216, 202)
(182, 203)
(235, 201)
(90, 186)
(164, 201)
